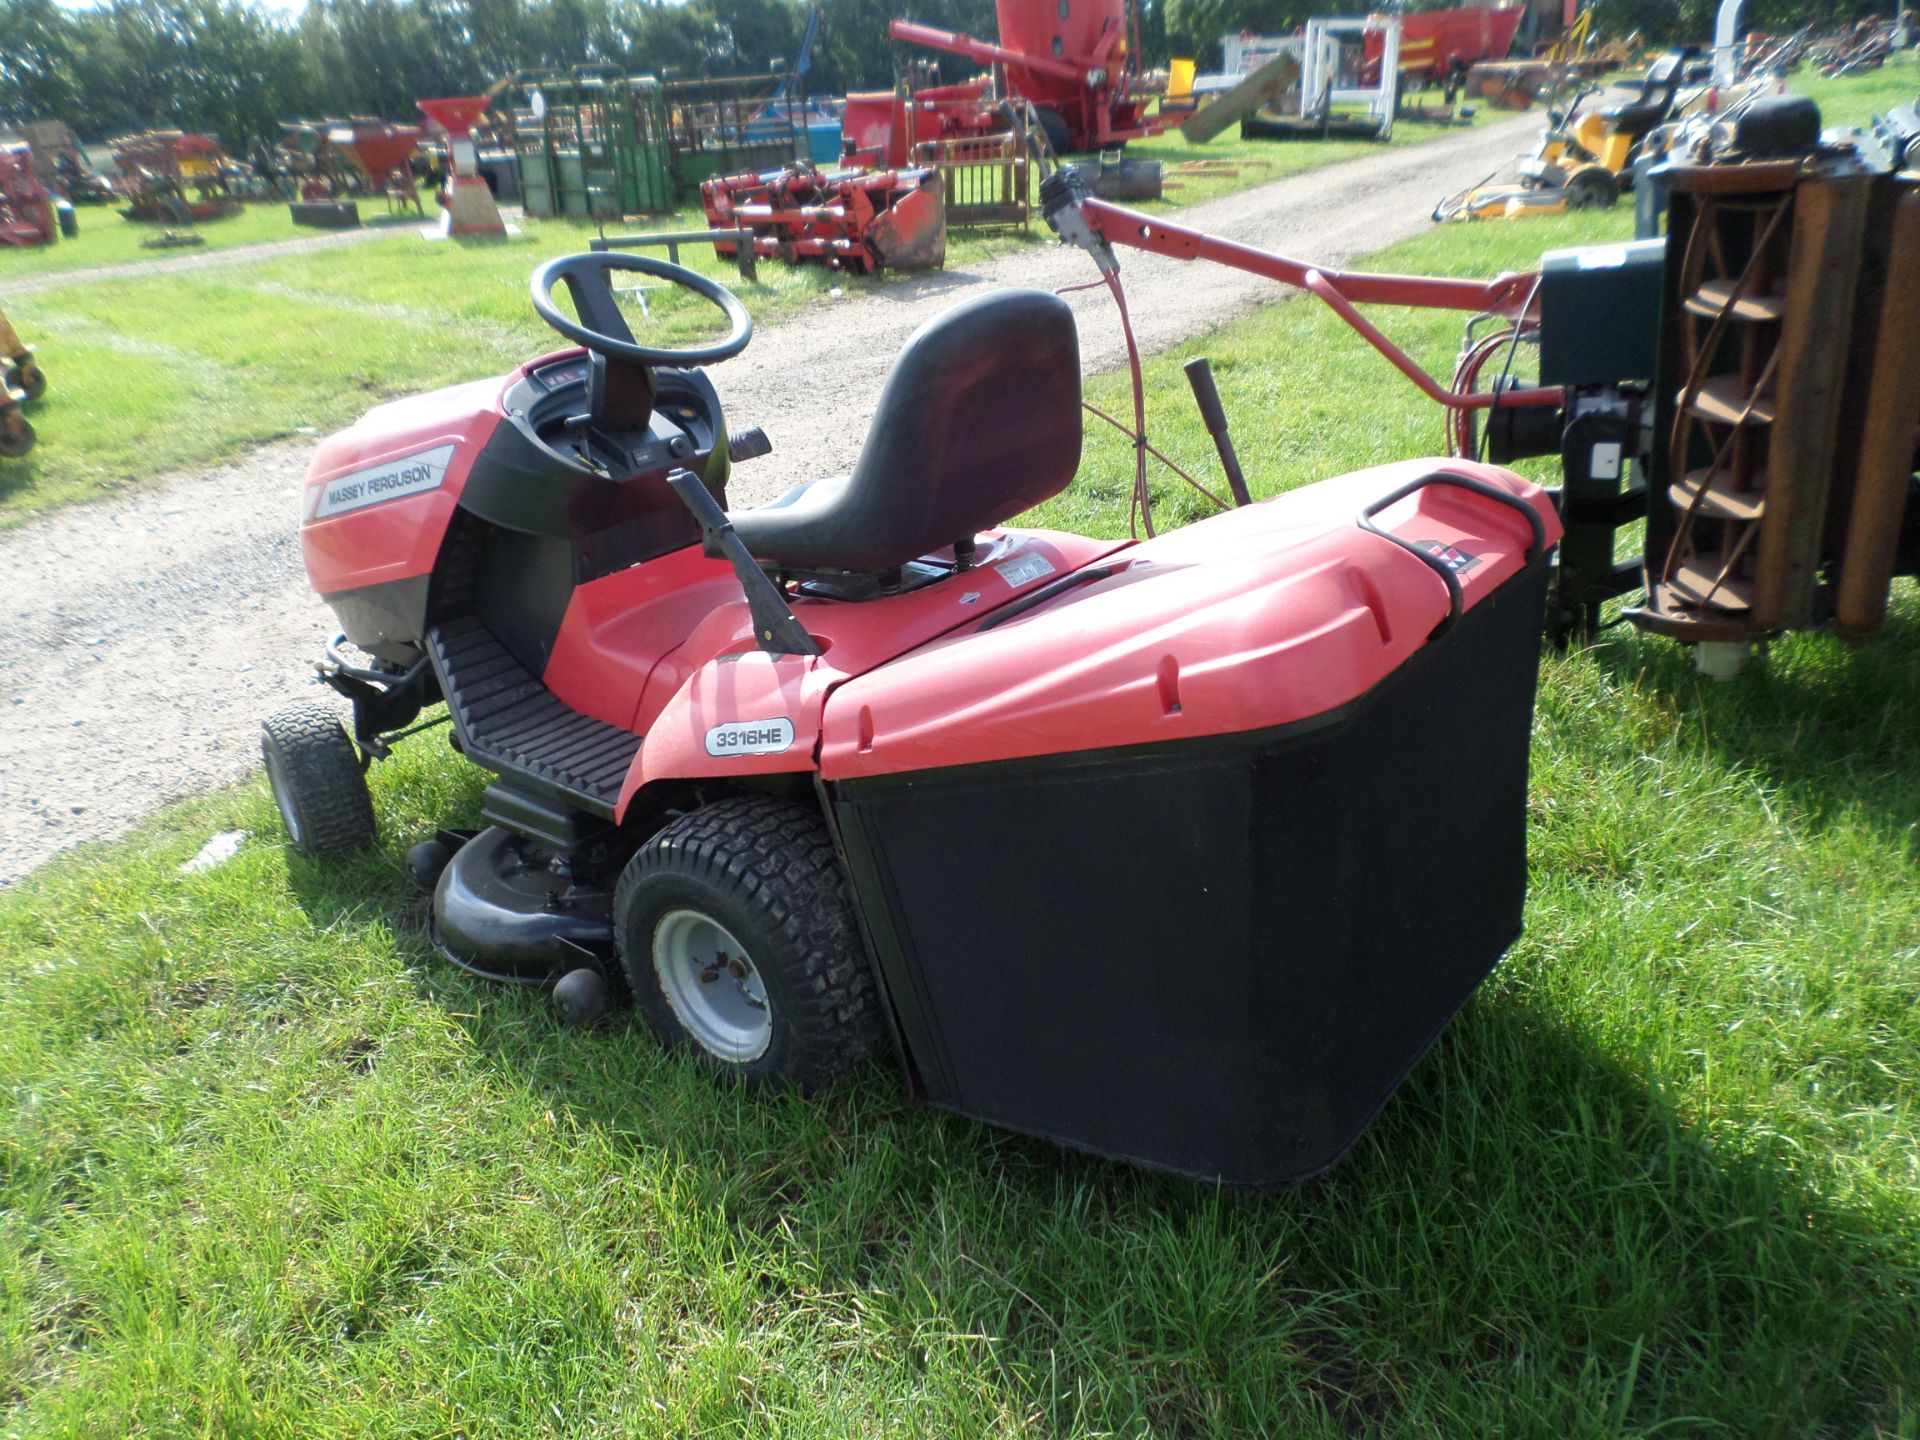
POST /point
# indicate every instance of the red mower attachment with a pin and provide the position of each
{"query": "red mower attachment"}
(892, 219)
(26, 209)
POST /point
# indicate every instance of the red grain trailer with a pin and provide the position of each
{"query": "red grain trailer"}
(1077, 61)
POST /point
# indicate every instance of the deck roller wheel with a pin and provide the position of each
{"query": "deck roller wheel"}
(737, 933)
(316, 779)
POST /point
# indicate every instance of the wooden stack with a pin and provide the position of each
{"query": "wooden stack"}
(1790, 399)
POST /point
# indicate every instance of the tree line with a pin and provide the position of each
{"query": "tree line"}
(230, 69)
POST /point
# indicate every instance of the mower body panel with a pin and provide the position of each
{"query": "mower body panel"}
(713, 703)
(1225, 926)
(1600, 141)
(1253, 618)
(378, 499)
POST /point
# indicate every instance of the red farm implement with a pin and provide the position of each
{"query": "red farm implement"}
(26, 209)
(1078, 65)
(383, 154)
(892, 219)
(882, 128)
(1435, 44)
(158, 166)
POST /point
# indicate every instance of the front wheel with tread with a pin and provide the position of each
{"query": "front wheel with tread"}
(16, 435)
(317, 780)
(736, 929)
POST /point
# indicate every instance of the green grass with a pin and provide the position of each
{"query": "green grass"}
(269, 1168)
(153, 374)
(107, 239)
(1856, 99)
(1227, 163)
(165, 372)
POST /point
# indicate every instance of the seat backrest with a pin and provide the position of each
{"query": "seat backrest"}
(979, 420)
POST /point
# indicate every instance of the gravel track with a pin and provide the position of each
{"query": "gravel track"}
(149, 633)
(194, 260)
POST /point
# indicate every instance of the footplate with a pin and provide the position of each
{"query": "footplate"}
(512, 724)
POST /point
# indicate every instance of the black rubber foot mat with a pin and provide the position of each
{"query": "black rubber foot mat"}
(511, 723)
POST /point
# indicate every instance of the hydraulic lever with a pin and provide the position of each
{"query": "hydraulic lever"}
(1200, 377)
(777, 629)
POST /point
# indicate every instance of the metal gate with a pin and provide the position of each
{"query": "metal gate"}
(987, 180)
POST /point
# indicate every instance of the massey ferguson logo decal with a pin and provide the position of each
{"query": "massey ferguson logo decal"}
(389, 480)
(1452, 556)
(750, 737)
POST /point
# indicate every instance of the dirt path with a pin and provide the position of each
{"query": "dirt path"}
(199, 259)
(149, 634)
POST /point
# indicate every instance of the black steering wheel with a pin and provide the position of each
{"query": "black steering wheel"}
(601, 326)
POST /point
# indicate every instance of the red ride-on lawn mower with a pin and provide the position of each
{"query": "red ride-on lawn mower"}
(1180, 850)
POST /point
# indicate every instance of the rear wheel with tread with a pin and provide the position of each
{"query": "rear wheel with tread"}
(737, 933)
(1053, 125)
(317, 781)
(1591, 187)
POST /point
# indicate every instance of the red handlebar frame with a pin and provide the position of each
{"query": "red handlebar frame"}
(1512, 296)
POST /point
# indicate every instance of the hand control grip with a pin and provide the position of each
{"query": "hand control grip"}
(1214, 414)
(775, 626)
(749, 444)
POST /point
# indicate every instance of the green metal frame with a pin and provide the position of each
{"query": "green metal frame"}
(608, 145)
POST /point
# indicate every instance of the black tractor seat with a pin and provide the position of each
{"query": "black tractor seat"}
(1658, 89)
(1635, 118)
(978, 421)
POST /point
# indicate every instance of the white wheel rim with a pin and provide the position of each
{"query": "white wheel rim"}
(279, 787)
(708, 979)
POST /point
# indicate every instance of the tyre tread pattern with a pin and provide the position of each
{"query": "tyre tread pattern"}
(329, 788)
(778, 856)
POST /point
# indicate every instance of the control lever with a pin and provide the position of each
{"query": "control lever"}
(749, 444)
(1035, 142)
(777, 629)
(1200, 377)
(1061, 195)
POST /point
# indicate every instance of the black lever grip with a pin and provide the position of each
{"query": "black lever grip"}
(1205, 394)
(749, 444)
(1207, 397)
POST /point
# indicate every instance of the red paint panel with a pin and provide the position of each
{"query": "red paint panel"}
(395, 539)
(1255, 618)
(619, 628)
(748, 690)
(717, 677)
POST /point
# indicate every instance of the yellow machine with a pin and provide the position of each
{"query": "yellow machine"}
(1583, 159)
(21, 381)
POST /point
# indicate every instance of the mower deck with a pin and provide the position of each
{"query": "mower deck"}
(509, 721)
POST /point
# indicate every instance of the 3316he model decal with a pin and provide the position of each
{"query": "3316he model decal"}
(751, 737)
(389, 480)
